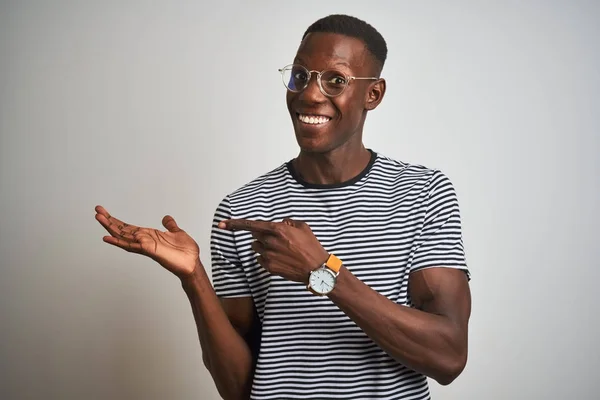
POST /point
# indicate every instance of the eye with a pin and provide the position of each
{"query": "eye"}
(334, 80)
(337, 80)
(299, 75)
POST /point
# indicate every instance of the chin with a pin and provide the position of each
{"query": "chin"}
(311, 141)
(312, 144)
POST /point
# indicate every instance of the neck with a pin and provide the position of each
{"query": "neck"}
(337, 166)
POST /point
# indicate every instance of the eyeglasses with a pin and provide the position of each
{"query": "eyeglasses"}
(331, 82)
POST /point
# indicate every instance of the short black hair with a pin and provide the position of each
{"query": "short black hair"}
(353, 27)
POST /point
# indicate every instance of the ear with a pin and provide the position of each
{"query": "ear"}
(375, 94)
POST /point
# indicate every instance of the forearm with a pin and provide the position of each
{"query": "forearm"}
(226, 354)
(428, 343)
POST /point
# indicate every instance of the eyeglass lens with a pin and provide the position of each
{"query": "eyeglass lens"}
(296, 78)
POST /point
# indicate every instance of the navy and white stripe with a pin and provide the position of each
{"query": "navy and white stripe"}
(392, 219)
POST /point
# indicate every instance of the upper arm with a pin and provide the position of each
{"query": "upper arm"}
(230, 281)
(444, 292)
(439, 276)
(242, 314)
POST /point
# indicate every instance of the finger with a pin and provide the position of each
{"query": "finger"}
(257, 246)
(248, 225)
(102, 211)
(126, 245)
(289, 221)
(269, 265)
(108, 220)
(261, 237)
(169, 223)
(264, 262)
(295, 223)
(268, 241)
(122, 230)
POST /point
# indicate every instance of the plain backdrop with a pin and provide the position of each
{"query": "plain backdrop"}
(154, 108)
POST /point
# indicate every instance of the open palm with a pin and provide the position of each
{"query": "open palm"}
(174, 249)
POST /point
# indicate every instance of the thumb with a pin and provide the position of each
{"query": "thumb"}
(297, 224)
(169, 223)
(289, 221)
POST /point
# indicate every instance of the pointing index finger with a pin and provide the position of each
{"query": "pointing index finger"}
(247, 225)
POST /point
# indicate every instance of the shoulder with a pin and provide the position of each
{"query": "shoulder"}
(258, 189)
(397, 171)
(263, 183)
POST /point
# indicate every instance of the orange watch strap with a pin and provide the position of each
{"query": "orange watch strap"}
(334, 263)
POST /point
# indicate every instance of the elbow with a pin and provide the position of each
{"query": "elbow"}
(206, 360)
(451, 370)
(228, 388)
(228, 393)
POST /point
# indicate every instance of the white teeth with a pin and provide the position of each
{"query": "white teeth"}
(314, 120)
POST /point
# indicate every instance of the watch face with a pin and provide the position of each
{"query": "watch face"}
(322, 280)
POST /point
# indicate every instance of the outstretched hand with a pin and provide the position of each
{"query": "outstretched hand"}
(174, 249)
(288, 248)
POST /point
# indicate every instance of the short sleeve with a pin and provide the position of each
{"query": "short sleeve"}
(229, 278)
(440, 242)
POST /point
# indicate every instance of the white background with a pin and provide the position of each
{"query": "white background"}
(151, 108)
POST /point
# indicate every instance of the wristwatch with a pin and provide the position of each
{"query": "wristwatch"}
(321, 281)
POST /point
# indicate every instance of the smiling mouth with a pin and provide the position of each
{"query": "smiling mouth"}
(313, 119)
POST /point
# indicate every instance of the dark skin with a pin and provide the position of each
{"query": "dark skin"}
(430, 338)
(227, 330)
(335, 152)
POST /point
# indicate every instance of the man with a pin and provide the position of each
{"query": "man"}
(338, 275)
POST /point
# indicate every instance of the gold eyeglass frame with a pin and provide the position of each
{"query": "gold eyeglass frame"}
(319, 74)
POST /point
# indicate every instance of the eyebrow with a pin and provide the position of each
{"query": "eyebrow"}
(344, 63)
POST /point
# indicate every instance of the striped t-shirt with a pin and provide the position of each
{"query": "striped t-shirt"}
(390, 220)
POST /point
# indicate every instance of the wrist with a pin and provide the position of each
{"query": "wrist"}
(341, 282)
(322, 260)
(190, 279)
(322, 280)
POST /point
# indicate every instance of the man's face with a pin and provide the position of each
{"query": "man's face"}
(344, 114)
